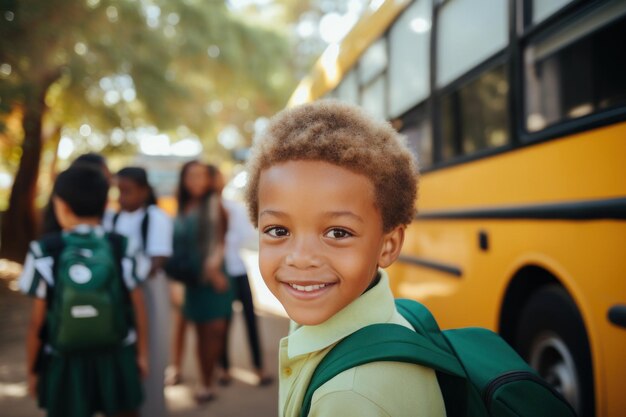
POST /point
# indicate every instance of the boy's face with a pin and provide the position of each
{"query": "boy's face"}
(321, 238)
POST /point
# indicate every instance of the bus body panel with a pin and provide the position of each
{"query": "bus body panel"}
(585, 255)
(588, 260)
(588, 165)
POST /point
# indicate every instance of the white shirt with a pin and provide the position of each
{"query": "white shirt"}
(240, 231)
(158, 239)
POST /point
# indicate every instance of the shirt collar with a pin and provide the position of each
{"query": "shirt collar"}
(84, 229)
(374, 306)
(139, 212)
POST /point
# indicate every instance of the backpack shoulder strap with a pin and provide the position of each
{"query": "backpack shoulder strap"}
(53, 244)
(457, 391)
(376, 343)
(118, 246)
(145, 223)
(114, 220)
(422, 321)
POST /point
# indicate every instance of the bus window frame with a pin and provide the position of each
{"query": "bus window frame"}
(409, 119)
(506, 57)
(521, 33)
(528, 11)
(527, 27)
(499, 59)
(535, 33)
(434, 46)
(512, 55)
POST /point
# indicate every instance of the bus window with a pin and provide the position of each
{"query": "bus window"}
(372, 69)
(373, 98)
(416, 128)
(475, 116)
(333, 94)
(578, 69)
(373, 62)
(409, 63)
(469, 32)
(348, 90)
(541, 9)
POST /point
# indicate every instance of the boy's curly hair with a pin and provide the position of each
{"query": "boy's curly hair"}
(343, 135)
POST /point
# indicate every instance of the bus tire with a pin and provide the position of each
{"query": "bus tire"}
(551, 337)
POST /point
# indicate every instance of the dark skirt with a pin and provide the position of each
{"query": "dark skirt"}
(203, 303)
(79, 385)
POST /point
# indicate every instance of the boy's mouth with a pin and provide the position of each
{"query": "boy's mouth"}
(307, 288)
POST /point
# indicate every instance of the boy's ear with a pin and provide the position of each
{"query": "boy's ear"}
(60, 206)
(392, 245)
(62, 210)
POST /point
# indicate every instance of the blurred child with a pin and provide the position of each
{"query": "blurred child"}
(197, 261)
(331, 191)
(149, 233)
(238, 232)
(86, 344)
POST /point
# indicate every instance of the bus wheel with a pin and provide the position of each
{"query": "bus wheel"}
(551, 336)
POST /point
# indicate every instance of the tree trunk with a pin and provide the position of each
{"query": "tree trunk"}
(20, 221)
(56, 137)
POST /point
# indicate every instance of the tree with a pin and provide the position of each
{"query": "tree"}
(63, 61)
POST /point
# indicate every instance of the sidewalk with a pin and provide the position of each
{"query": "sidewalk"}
(241, 398)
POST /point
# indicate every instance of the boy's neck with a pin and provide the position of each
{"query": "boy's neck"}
(375, 281)
(89, 221)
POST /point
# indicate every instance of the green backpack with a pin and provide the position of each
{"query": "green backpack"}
(88, 306)
(479, 374)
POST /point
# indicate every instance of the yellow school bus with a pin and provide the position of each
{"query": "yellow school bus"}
(516, 110)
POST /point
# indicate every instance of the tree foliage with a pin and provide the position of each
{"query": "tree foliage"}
(163, 46)
(114, 64)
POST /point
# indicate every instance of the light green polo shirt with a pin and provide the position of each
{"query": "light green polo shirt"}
(390, 389)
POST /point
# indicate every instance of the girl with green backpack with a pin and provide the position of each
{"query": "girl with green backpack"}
(86, 343)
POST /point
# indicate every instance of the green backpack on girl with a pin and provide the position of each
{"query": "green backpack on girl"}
(88, 306)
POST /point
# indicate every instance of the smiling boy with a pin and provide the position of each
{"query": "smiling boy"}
(331, 191)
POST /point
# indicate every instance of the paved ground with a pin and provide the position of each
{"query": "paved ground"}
(241, 398)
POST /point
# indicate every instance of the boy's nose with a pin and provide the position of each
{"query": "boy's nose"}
(303, 254)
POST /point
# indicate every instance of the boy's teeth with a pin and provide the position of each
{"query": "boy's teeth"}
(307, 288)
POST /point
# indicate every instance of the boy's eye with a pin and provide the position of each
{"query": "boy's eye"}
(276, 231)
(336, 233)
